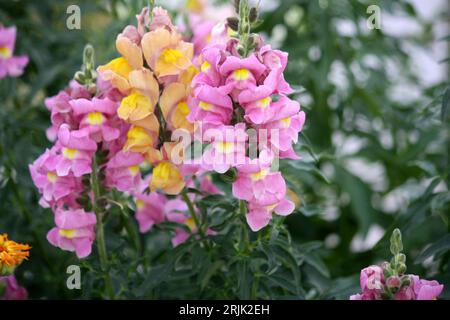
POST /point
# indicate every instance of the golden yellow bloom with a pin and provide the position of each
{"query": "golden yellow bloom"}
(168, 178)
(130, 51)
(12, 253)
(187, 75)
(139, 140)
(135, 107)
(166, 53)
(117, 71)
(174, 106)
(144, 81)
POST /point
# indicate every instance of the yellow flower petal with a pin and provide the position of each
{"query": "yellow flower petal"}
(168, 178)
(130, 51)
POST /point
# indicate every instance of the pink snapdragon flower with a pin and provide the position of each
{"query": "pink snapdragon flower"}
(211, 58)
(286, 122)
(13, 291)
(420, 289)
(260, 213)
(9, 64)
(75, 153)
(52, 186)
(255, 182)
(241, 74)
(74, 231)
(201, 31)
(122, 171)
(210, 106)
(374, 286)
(61, 110)
(95, 115)
(275, 62)
(227, 148)
(150, 210)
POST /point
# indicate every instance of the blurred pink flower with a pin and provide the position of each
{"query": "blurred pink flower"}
(9, 64)
(13, 291)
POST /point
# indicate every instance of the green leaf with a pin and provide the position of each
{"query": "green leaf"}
(211, 270)
(360, 197)
(438, 248)
(314, 261)
(445, 112)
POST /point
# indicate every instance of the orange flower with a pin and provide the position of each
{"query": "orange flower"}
(12, 253)
(166, 53)
(174, 106)
(167, 177)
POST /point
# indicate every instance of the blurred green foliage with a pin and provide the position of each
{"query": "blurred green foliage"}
(405, 141)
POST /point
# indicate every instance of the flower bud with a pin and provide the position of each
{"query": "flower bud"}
(401, 268)
(405, 281)
(233, 23)
(88, 57)
(253, 15)
(240, 49)
(393, 282)
(237, 3)
(401, 258)
(79, 77)
(396, 242)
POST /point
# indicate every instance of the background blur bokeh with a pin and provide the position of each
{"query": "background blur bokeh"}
(375, 147)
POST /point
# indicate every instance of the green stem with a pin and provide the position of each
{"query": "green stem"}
(192, 211)
(244, 240)
(100, 232)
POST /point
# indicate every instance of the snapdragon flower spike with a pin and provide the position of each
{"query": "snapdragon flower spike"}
(74, 231)
(95, 115)
(122, 171)
(10, 65)
(52, 186)
(75, 151)
(227, 148)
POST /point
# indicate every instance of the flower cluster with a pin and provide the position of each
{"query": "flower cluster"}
(106, 127)
(127, 114)
(84, 126)
(235, 91)
(389, 281)
(375, 286)
(154, 74)
(10, 65)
